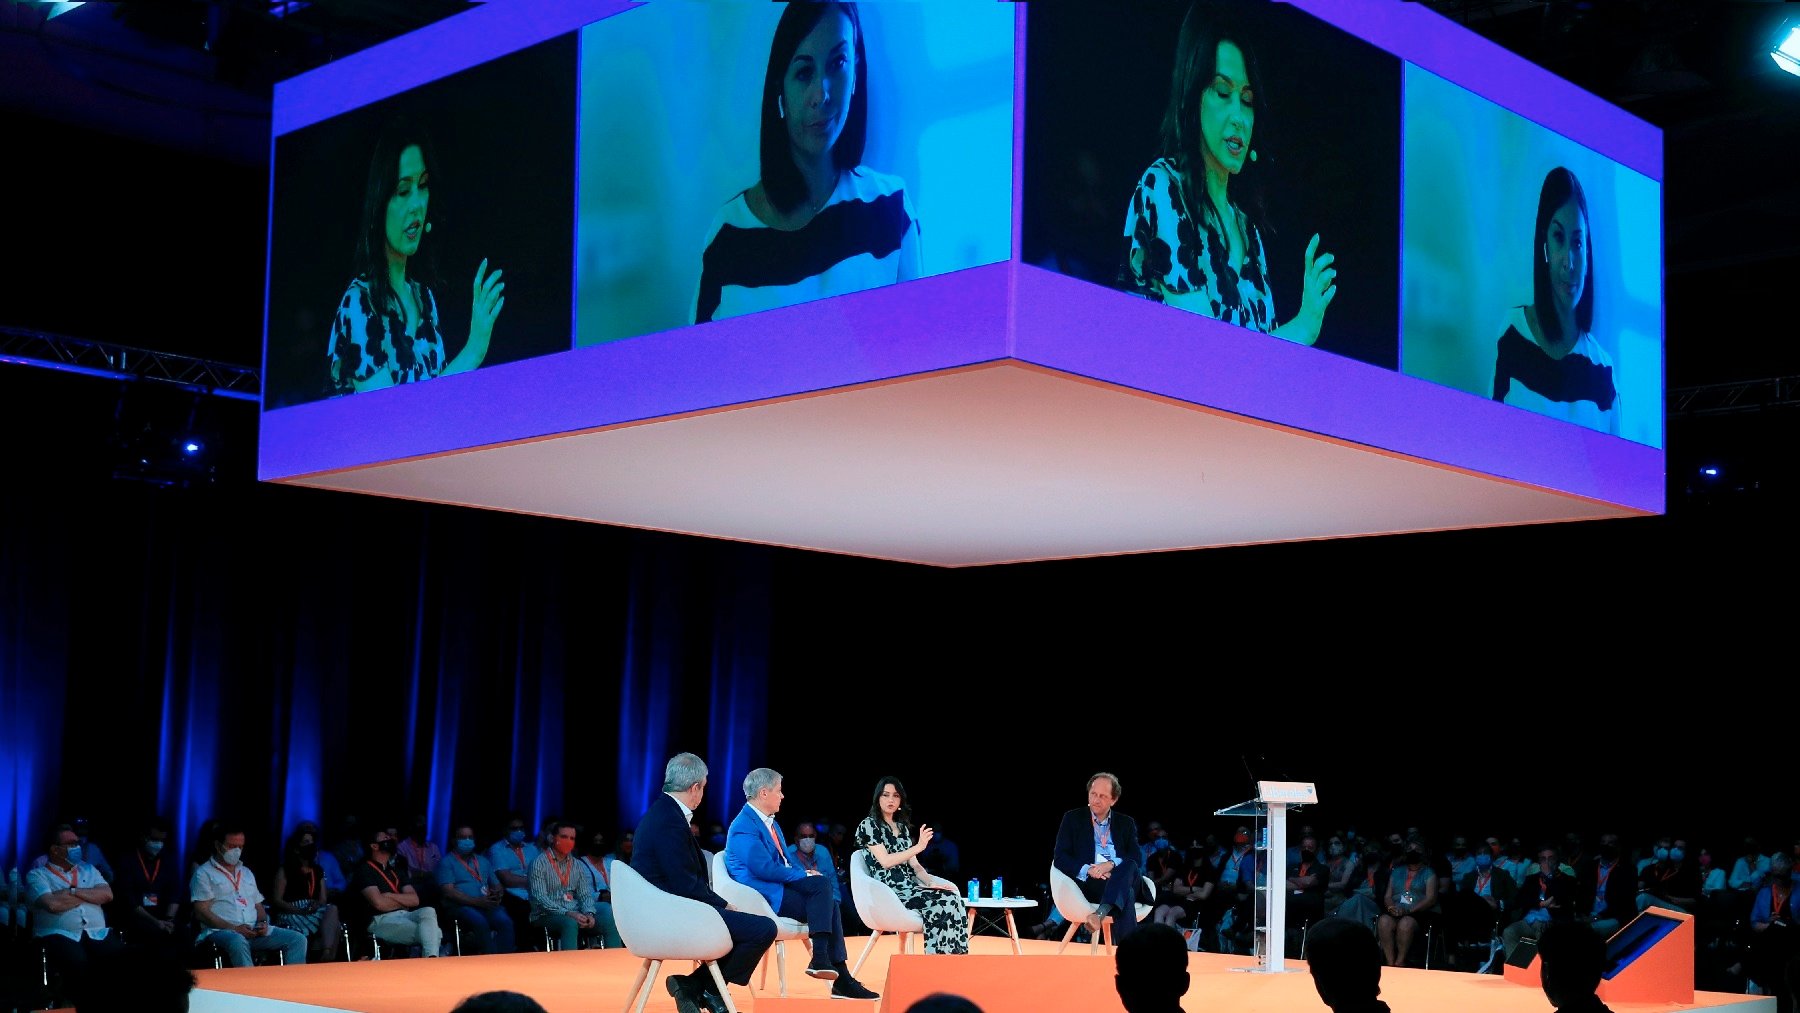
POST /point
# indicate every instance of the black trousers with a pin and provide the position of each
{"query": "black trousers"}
(1121, 891)
(809, 900)
(751, 937)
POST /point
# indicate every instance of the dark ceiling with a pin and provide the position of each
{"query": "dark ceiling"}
(194, 77)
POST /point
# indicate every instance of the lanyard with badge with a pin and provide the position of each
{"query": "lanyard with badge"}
(150, 898)
(237, 883)
(562, 874)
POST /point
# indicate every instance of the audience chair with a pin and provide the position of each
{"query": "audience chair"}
(1075, 909)
(659, 926)
(880, 909)
(747, 900)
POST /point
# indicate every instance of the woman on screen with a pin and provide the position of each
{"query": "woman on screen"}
(1547, 360)
(387, 329)
(1188, 242)
(818, 222)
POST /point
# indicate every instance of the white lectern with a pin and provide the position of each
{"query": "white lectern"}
(1269, 809)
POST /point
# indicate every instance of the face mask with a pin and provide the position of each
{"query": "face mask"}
(1241, 839)
(153, 848)
(309, 851)
(1495, 850)
(1705, 861)
(515, 837)
(1162, 844)
(1676, 854)
(1609, 853)
(233, 855)
(1484, 862)
(74, 854)
(1414, 857)
(1662, 854)
(564, 846)
(807, 844)
(1307, 856)
(1336, 850)
(465, 845)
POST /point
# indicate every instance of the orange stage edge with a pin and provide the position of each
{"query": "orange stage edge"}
(1000, 982)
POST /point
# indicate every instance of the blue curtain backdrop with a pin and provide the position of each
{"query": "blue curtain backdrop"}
(160, 653)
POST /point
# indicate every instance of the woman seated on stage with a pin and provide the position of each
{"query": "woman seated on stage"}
(893, 857)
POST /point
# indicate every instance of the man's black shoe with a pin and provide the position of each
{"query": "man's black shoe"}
(820, 966)
(849, 988)
(686, 996)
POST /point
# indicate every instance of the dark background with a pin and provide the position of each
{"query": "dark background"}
(1633, 674)
(1327, 140)
(502, 189)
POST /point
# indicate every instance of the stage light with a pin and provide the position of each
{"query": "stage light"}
(1710, 471)
(1787, 53)
(192, 447)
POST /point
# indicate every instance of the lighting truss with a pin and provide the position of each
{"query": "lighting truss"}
(121, 362)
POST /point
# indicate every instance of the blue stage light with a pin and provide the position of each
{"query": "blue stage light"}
(1710, 471)
(192, 447)
(1787, 53)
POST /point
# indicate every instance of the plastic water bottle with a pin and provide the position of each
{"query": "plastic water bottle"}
(998, 887)
(974, 889)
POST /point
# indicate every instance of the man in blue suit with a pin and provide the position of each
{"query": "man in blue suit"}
(1098, 848)
(667, 856)
(757, 856)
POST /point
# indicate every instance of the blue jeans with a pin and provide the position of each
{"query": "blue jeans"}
(236, 949)
(485, 929)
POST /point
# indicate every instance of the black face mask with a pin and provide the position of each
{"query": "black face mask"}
(1609, 853)
(309, 851)
(1307, 856)
(1414, 857)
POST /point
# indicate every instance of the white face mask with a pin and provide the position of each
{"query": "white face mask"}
(807, 844)
(233, 855)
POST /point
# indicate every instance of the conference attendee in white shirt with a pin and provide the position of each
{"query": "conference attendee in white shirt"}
(65, 896)
(230, 908)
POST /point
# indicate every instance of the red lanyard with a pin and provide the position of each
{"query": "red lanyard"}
(74, 874)
(1410, 873)
(237, 880)
(312, 883)
(1777, 898)
(1193, 876)
(520, 851)
(562, 872)
(1482, 879)
(1605, 874)
(1304, 866)
(474, 870)
(393, 882)
(149, 874)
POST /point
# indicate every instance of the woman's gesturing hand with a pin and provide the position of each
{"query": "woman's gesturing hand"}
(486, 306)
(1316, 291)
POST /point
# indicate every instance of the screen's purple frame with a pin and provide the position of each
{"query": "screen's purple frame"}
(1005, 310)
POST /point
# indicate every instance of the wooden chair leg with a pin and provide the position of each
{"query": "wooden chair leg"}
(724, 989)
(1073, 928)
(865, 953)
(640, 993)
(780, 968)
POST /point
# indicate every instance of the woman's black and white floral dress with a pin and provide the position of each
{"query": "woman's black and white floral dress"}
(946, 919)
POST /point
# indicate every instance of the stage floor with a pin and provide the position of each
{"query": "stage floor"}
(600, 980)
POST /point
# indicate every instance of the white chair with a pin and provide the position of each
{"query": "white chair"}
(879, 907)
(1066, 894)
(659, 926)
(746, 899)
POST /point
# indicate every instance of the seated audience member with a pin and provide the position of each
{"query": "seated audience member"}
(1306, 885)
(1363, 905)
(1152, 970)
(348, 851)
(806, 853)
(1572, 855)
(1748, 871)
(943, 1002)
(1340, 880)
(1345, 963)
(562, 895)
(397, 914)
(1771, 946)
(1472, 911)
(620, 852)
(1188, 894)
(230, 908)
(1411, 892)
(135, 980)
(471, 894)
(1572, 958)
(512, 857)
(668, 858)
(1607, 890)
(605, 928)
(1671, 880)
(66, 896)
(302, 901)
(422, 858)
(1097, 847)
(335, 880)
(756, 856)
(499, 1002)
(147, 890)
(90, 851)
(1163, 865)
(1544, 898)
(1236, 888)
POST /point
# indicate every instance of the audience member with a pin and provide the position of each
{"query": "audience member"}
(806, 853)
(499, 1002)
(397, 914)
(1542, 899)
(606, 929)
(1306, 885)
(1606, 892)
(422, 857)
(1363, 905)
(147, 891)
(348, 851)
(1345, 963)
(668, 857)
(943, 1002)
(1472, 910)
(1341, 879)
(1188, 894)
(1152, 970)
(1771, 947)
(1411, 891)
(66, 895)
(301, 900)
(472, 895)
(135, 980)
(512, 857)
(335, 880)
(562, 896)
(1097, 847)
(230, 908)
(1748, 871)
(1670, 881)
(620, 852)
(756, 856)
(1572, 958)
(90, 851)
(1237, 888)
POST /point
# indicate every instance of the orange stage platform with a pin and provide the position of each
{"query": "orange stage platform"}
(1036, 982)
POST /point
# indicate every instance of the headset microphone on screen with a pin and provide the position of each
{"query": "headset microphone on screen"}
(427, 226)
(1546, 253)
(1252, 154)
(780, 108)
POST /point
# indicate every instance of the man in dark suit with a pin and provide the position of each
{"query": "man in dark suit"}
(667, 856)
(757, 856)
(1098, 848)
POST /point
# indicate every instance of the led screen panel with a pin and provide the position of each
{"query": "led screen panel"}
(1533, 265)
(1240, 161)
(456, 197)
(742, 157)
